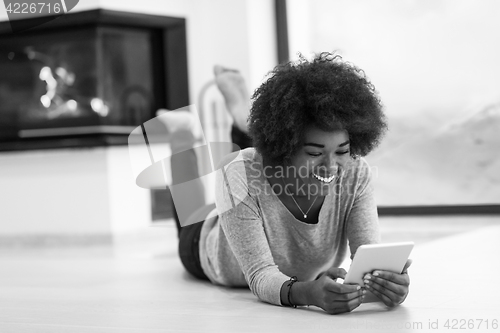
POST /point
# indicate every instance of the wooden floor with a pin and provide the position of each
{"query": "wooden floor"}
(453, 278)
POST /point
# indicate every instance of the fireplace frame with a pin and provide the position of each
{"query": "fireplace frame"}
(170, 74)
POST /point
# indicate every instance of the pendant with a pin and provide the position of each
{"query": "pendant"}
(305, 216)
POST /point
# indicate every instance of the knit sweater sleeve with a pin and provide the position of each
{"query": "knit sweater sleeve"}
(241, 221)
(362, 219)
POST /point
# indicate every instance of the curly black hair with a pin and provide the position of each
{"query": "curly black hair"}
(326, 92)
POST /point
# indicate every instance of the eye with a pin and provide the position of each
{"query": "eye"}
(338, 153)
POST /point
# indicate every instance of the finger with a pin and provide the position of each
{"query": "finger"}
(407, 265)
(384, 298)
(391, 275)
(336, 272)
(340, 288)
(387, 284)
(347, 296)
(397, 296)
(401, 279)
(383, 290)
(349, 305)
(338, 311)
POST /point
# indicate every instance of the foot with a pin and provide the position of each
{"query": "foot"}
(232, 86)
(181, 120)
(183, 127)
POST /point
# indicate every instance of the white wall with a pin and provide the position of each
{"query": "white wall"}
(54, 192)
(234, 33)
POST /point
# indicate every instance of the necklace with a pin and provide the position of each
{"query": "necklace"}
(305, 214)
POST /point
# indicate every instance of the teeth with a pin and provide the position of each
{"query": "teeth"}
(323, 179)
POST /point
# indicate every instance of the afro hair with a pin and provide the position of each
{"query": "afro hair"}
(325, 92)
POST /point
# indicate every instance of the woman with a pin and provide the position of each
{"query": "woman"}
(287, 208)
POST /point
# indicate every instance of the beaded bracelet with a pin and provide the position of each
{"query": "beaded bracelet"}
(293, 279)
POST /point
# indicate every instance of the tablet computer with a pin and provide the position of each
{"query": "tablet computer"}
(387, 257)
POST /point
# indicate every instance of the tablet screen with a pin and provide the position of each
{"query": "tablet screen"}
(388, 257)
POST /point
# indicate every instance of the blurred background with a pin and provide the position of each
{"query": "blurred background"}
(73, 89)
(435, 66)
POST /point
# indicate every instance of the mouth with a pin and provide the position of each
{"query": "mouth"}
(324, 179)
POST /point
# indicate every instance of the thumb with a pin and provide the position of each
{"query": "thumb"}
(407, 265)
(336, 272)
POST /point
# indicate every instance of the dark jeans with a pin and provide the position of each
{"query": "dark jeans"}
(189, 242)
(189, 236)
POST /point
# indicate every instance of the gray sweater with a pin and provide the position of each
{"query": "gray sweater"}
(253, 239)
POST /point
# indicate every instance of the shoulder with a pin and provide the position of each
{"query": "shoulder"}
(238, 178)
(246, 161)
(359, 174)
(241, 169)
(246, 155)
(359, 168)
(362, 167)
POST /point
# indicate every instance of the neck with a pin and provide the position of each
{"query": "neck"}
(294, 185)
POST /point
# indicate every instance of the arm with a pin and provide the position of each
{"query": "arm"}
(324, 292)
(243, 227)
(362, 225)
(362, 228)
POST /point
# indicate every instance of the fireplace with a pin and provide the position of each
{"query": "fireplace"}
(89, 78)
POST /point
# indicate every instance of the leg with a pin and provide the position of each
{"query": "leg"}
(189, 195)
(184, 131)
(184, 167)
(232, 86)
(189, 250)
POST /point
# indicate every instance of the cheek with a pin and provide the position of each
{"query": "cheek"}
(304, 166)
(313, 164)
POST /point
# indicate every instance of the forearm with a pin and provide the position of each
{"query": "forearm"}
(299, 293)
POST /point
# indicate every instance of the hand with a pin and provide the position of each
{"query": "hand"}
(335, 297)
(391, 288)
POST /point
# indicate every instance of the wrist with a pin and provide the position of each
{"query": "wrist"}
(300, 294)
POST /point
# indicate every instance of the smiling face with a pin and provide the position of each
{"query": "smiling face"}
(322, 158)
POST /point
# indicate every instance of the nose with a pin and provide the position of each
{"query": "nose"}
(330, 165)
